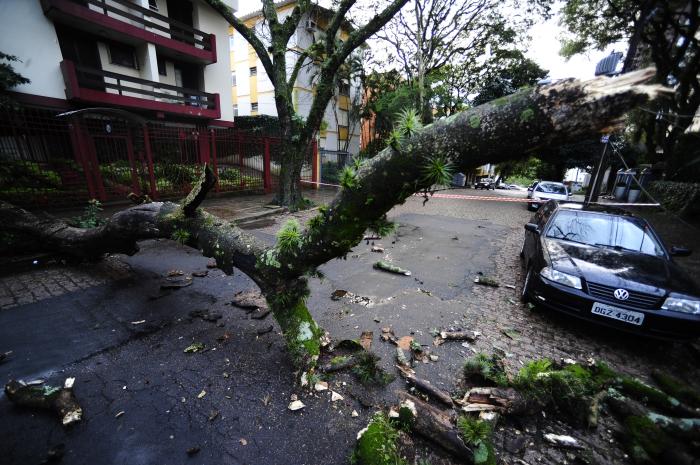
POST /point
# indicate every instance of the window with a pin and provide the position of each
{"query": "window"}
(551, 188)
(153, 5)
(343, 88)
(162, 69)
(122, 55)
(254, 106)
(231, 42)
(233, 78)
(235, 110)
(342, 133)
(254, 71)
(606, 231)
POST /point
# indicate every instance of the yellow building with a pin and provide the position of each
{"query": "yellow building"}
(253, 93)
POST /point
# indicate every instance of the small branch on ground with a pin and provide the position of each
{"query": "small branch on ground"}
(59, 399)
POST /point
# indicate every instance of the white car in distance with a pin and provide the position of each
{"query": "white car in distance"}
(547, 190)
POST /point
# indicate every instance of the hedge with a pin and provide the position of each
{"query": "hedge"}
(264, 125)
(679, 197)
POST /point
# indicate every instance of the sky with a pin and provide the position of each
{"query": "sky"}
(544, 48)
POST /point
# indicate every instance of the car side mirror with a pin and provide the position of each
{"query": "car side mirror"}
(532, 227)
(680, 251)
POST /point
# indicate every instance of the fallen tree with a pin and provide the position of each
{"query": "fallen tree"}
(415, 160)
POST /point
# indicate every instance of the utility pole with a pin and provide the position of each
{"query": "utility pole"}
(594, 191)
(605, 67)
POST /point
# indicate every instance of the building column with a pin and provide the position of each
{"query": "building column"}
(148, 58)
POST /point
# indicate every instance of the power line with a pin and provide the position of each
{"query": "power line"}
(646, 192)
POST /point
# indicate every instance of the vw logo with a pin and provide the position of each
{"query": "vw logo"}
(621, 294)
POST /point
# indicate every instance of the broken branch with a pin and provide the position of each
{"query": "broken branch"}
(426, 387)
(59, 399)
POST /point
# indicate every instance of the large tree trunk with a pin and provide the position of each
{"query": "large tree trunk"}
(289, 192)
(498, 131)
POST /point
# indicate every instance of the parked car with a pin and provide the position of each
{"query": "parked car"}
(485, 183)
(544, 191)
(530, 188)
(608, 266)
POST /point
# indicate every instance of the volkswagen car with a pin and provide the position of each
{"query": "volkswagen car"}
(608, 266)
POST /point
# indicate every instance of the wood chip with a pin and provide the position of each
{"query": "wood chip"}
(296, 405)
(405, 342)
(366, 339)
(321, 386)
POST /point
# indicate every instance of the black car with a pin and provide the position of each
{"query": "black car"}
(608, 266)
(485, 183)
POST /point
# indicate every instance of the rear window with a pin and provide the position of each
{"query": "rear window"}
(551, 188)
(617, 232)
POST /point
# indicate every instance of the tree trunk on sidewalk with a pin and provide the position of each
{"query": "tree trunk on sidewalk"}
(490, 133)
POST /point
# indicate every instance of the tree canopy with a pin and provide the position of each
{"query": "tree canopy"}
(659, 32)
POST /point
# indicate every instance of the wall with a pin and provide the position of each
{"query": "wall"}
(29, 35)
(217, 76)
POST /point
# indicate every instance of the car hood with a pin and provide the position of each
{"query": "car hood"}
(629, 270)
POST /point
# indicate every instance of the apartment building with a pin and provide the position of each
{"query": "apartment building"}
(159, 58)
(252, 91)
(165, 61)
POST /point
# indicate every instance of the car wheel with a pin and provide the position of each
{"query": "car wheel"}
(524, 297)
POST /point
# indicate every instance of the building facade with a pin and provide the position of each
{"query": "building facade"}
(153, 79)
(253, 93)
(159, 58)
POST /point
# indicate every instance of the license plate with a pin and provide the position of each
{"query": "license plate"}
(608, 311)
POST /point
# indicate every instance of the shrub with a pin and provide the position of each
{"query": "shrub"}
(679, 197)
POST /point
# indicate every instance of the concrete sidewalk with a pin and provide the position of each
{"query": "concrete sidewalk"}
(231, 207)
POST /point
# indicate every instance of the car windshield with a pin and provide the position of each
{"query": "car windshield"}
(550, 188)
(617, 232)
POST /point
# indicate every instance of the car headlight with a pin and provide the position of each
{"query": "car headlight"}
(561, 278)
(679, 304)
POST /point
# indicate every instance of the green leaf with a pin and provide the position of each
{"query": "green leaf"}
(194, 347)
(481, 453)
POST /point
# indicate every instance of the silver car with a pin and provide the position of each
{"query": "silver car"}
(546, 190)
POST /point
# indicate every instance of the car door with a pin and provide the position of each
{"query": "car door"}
(532, 249)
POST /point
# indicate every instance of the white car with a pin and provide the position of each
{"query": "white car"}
(547, 190)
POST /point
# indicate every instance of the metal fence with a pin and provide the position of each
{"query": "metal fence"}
(38, 165)
(48, 161)
(332, 163)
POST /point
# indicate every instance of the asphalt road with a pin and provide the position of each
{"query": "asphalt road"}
(230, 401)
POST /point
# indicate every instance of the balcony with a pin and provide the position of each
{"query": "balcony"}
(127, 22)
(92, 86)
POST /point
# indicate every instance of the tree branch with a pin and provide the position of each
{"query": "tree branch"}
(247, 34)
(361, 35)
(336, 22)
(500, 130)
(297, 67)
(518, 124)
(197, 195)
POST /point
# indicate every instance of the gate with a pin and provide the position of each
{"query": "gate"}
(114, 158)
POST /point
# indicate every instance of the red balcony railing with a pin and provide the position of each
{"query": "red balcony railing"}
(105, 87)
(130, 21)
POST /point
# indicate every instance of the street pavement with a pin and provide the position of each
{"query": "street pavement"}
(123, 339)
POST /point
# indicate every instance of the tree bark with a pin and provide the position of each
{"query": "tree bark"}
(502, 130)
(437, 426)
